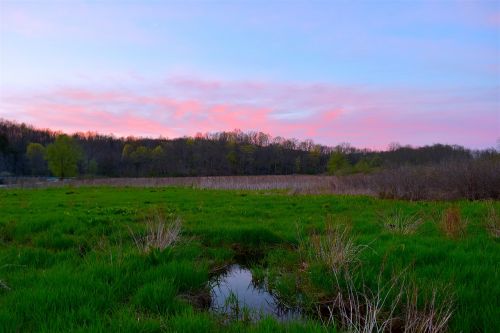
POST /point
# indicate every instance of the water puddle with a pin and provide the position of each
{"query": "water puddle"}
(238, 296)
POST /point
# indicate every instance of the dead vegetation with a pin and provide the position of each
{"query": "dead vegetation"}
(335, 248)
(160, 234)
(393, 306)
(474, 179)
(433, 317)
(360, 309)
(452, 224)
(493, 221)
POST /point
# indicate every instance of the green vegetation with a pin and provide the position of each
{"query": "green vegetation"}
(338, 164)
(139, 259)
(226, 154)
(63, 156)
(35, 153)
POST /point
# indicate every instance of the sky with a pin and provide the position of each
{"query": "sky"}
(370, 73)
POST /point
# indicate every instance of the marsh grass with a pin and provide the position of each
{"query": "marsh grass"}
(335, 248)
(493, 221)
(360, 306)
(398, 221)
(235, 310)
(452, 223)
(362, 309)
(393, 305)
(113, 287)
(435, 314)
(160, 233)
(3, 285)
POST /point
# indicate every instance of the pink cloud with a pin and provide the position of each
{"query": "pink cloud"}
(329, 114)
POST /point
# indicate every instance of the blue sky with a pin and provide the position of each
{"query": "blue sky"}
(416, 72)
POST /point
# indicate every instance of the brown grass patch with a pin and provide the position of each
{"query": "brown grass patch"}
(452, 223)
(493, 222)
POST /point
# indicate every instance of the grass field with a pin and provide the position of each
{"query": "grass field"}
(74, 259)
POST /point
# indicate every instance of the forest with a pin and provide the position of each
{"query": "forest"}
(23, 153)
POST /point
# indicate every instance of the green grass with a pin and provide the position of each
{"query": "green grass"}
(69, 263)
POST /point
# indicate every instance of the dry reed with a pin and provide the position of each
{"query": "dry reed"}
(362, 310)
(159, 235)
(452, 223)
(336, 249)
(434, 316)
(493, 222)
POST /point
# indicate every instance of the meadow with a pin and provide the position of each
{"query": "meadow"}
(140, 259)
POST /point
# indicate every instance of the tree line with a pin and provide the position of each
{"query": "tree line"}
(25, 151)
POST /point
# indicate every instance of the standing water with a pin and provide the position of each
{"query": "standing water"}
(236, 295)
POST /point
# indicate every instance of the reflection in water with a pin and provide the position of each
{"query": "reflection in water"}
(235, 294)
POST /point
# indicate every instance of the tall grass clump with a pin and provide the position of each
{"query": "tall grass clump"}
(336, 249)
(452, 223)
(398, 222)
(493, 222)
(160, 233)
(4, 285)
(363, 310)
(433, 317)
(394, 305)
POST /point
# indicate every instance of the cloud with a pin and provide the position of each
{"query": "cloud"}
(326, 113)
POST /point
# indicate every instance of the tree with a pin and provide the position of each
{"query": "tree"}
(232, 158)
(127, 151)
(338, 164)
(157, 153)
(63, 156)
(157, 156)
(393, 146)
(35, 153)
(362, 166)
(140, 157)
(4, 143)
(297, 165)
(92, 167)
(313, 159)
